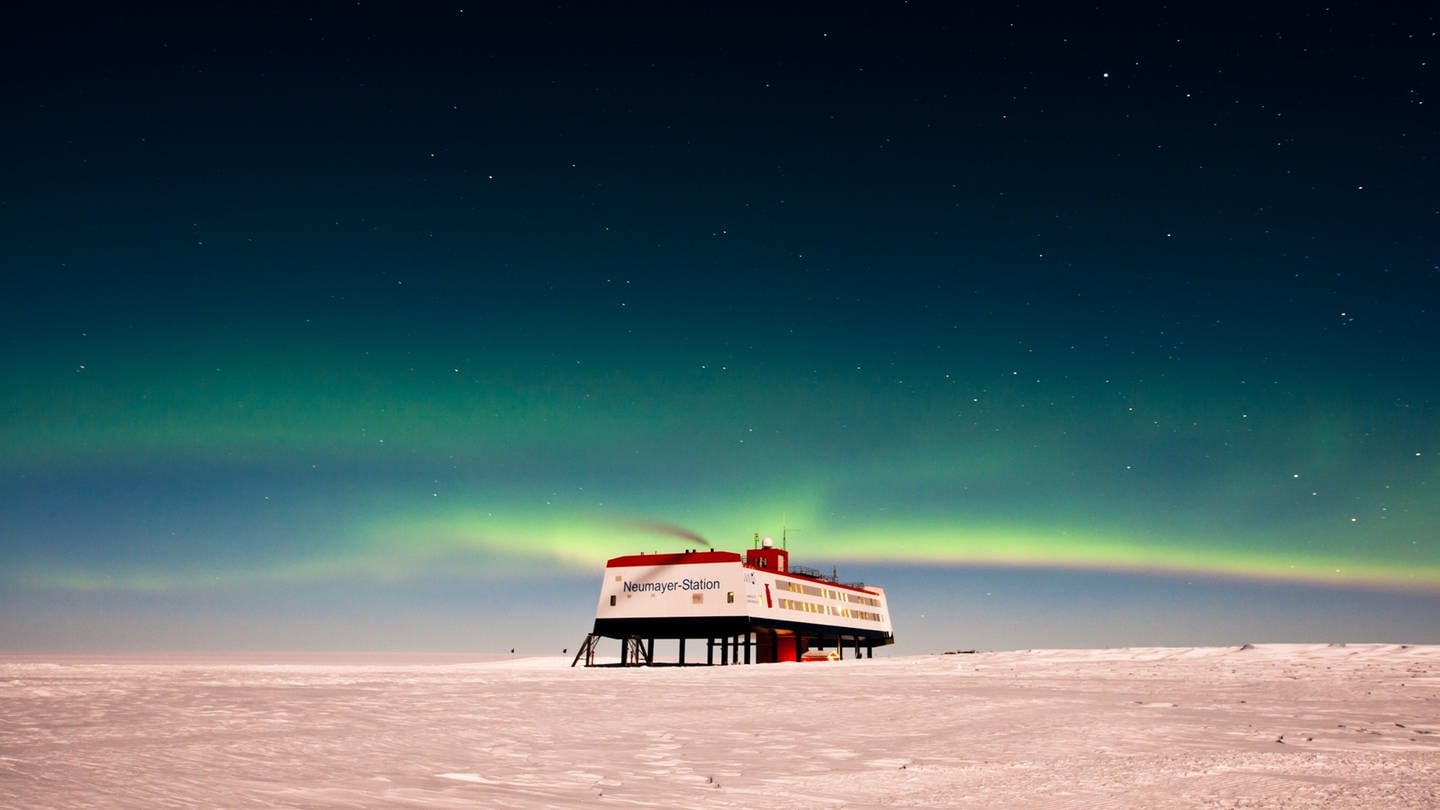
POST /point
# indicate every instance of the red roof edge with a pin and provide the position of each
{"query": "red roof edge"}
(673, 558)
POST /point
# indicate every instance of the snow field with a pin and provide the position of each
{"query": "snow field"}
(1265, 726)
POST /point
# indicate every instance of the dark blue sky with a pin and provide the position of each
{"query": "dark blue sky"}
(326, 310)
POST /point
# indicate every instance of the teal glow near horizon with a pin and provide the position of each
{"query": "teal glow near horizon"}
(892, 508)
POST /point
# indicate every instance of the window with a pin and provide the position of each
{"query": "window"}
(730, 597)
(612, 600)
(697, 598)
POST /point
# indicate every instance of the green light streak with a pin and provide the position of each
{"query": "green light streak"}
(1030, 547)
(485, 544)
(1306, 505)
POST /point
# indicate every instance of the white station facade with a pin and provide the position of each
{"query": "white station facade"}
(752, 609)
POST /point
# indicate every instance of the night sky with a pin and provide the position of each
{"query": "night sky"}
(368, 327)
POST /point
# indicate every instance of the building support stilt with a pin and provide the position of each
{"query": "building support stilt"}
(587, 650)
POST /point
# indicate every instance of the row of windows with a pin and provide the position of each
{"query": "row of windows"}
(796, 587)
(808, 607)
(829, 610)
(695, 598)
(827, 593)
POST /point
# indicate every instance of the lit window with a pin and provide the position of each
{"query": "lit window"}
(697, 598)
(730, 597)
(612, 600)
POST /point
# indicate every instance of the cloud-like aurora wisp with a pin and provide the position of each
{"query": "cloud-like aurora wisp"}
(482, 544)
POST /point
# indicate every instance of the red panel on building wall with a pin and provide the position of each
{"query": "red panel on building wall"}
(785, 646)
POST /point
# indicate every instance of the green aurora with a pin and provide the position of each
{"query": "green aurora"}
(387, 327)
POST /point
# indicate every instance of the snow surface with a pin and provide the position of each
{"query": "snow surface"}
(1267, 726)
